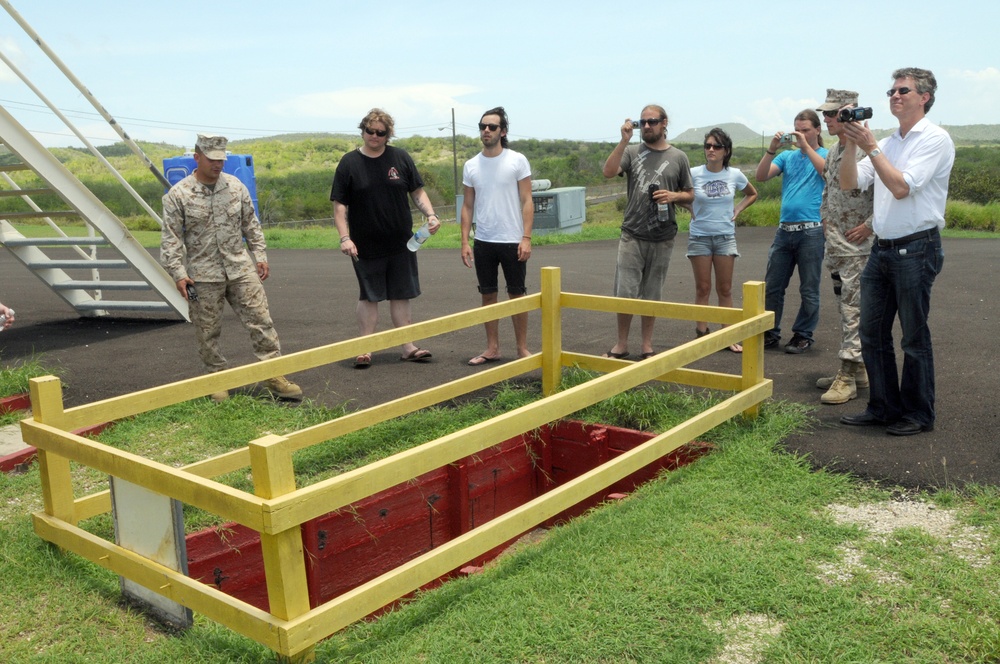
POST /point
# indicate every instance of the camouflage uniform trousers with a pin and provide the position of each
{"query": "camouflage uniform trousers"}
(849, 269)
(247, 298)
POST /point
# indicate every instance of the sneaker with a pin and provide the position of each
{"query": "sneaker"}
(798, 344)
(282, 387)
(221, 395)
(771, 340)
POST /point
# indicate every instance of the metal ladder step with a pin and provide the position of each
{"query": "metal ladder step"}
(81, 264)
(101, 285)
(41, 214)
(58, 241)
(25, 192)
(124, 305)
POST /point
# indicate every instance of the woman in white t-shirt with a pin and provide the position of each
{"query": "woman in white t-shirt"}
(712, 236)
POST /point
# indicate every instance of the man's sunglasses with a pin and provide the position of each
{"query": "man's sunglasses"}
(901, 91)
(381, 133)
(830, 114)
(485, 126)
(651, 123)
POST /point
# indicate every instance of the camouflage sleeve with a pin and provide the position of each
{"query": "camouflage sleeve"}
(251, 227)
(172, 249)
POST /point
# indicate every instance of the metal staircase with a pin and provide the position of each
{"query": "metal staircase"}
(72, 266)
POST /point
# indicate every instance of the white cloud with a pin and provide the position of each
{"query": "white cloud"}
(409, 105)
(770, 115)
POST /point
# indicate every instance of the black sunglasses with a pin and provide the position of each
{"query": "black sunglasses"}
(490, 126)
(713, 146)
(831, 114)
(901, 91)
(381, 133)
(651, 123)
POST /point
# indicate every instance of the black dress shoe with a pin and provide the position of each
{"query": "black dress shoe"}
(908, 428)
(863, 419)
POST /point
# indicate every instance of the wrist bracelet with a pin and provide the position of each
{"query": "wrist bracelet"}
(344, 238)
(526, 237)
(770, 153)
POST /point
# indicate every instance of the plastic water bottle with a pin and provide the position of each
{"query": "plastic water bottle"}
(3, 319)
(663, 212)
(419, 237)
(662, 209)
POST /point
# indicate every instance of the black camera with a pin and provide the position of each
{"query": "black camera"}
(854, 114)
(192, 293)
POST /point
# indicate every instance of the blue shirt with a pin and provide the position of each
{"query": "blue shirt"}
(801, 186)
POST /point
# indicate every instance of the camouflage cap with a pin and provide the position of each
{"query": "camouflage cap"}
(213, 147)
(838, 99)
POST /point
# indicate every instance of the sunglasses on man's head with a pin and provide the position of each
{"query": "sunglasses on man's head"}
(381, 133)
(483, 126)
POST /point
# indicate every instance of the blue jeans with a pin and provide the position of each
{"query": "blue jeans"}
(790, 249)
(897, 281)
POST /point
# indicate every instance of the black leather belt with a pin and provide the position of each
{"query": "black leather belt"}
(897, 241)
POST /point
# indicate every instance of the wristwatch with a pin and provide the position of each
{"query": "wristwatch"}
(874, 153)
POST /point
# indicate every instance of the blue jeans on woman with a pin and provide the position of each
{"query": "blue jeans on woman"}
(897, 281)
(790, 249)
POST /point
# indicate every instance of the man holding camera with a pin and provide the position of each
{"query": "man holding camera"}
(206, 218)
(847, 228)
(909, 172)
(659, 178)
(798, 241)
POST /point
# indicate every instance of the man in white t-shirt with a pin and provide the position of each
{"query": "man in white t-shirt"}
(497, 184)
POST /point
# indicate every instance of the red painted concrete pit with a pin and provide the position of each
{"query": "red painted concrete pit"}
(356, 544)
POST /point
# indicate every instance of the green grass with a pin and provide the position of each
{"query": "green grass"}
(741, 532)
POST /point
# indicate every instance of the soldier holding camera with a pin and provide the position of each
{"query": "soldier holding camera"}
(909, 173)
(847, 227)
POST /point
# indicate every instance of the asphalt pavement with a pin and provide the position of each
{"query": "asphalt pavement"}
(313, 294)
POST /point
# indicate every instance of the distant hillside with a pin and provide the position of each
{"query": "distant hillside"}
(744, 137)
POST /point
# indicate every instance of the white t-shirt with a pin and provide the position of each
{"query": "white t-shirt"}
(714, 193)
(498, 203)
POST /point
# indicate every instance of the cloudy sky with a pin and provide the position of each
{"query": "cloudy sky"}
(563, 70)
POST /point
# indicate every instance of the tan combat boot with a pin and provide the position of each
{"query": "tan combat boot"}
(282, 387)
(860, 377)
(843, 387)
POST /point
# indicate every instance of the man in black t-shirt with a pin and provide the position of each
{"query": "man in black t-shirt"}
(372, 215)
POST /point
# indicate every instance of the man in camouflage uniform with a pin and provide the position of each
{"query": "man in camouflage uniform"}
(206, 217)
(847, 228)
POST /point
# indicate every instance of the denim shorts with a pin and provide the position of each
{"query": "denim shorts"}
(712, 245)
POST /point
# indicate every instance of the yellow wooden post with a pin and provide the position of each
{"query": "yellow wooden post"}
(551, 330)
(57, 483)
(753, 347)
(284, 558)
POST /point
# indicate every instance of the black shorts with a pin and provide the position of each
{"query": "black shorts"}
(389, 277)
(488, 256)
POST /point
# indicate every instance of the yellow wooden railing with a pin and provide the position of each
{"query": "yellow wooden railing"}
(278, 508)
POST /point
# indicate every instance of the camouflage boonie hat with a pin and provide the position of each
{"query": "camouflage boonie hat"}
(213, 147)
(838, 99)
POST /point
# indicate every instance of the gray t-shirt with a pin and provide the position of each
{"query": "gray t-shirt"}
(667, 169)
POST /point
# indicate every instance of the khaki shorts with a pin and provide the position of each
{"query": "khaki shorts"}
(642, 268)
